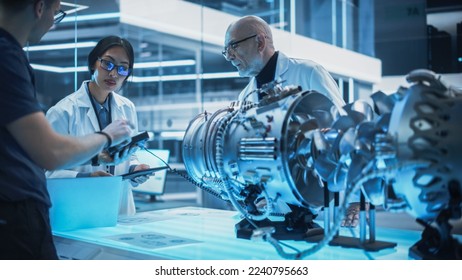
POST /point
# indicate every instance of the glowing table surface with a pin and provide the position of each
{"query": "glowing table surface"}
(192, 233)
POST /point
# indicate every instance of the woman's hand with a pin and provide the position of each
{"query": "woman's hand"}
(140, 179)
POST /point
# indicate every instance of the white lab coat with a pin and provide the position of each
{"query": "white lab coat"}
(74, 115)
(300, 72)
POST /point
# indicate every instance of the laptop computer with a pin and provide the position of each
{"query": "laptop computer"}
(79, 203)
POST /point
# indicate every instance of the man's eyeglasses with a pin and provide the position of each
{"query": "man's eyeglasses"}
(122, 70)
(233, 45)
(59, 16)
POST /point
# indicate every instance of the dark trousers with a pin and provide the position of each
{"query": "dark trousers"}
(25, 231)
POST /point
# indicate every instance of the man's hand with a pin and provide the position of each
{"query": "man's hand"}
(105, 158)
(100, 173)
(120, 131)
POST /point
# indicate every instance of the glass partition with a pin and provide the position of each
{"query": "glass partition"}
(178, 76)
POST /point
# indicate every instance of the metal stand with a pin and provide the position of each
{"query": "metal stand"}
(297, 225)
(362, 242)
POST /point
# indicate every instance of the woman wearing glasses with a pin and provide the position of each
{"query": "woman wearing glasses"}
(95, 105)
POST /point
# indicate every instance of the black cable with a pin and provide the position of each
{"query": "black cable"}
(185, 176)
(156, 156)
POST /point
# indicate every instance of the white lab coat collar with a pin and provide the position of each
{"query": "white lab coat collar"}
(82, 99)
(282, 66)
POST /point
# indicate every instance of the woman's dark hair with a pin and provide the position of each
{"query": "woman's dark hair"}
(109, 42)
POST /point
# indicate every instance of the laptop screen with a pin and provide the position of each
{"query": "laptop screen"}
(84, 202)
(155, 185)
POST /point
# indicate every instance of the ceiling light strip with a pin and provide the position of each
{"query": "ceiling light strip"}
(169, 63)
(139, 79)
(60, 46)
(141, 65)
(184, 77)
(56, 69)
(91, 17)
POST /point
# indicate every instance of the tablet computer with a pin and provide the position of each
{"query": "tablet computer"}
(134, 174)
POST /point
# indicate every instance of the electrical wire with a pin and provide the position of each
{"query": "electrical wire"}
(185, 176)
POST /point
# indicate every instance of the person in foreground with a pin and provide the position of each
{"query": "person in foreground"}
(95, 105)
(28, 143)
(249, 47)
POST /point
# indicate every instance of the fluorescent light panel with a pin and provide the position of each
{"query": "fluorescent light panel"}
(169, 63)
(144, 65)
(60, 46)
(91, 17)
(56, 69)
(138, 79)
(184, 77)
(141, 65)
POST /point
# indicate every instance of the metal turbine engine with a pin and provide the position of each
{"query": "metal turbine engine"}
(248, 152)
(402, 151)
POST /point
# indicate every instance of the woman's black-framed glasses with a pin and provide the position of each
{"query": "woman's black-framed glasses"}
(59, 16)
(122, 70)
(233, 45)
